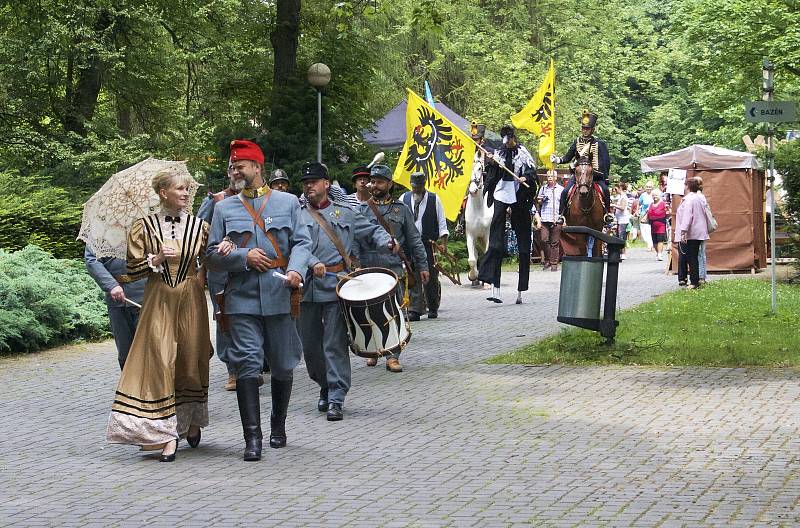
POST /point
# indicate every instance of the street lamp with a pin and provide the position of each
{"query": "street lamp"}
(319, 75)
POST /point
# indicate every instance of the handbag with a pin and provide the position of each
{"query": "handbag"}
(710, 220)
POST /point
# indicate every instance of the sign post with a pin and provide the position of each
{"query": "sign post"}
(768, 88)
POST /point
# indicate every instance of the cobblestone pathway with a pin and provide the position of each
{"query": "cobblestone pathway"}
(449, 442)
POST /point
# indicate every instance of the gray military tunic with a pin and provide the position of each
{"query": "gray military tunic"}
(326, 352)
(258, 303)
(122, 316)
(405, 233)
(215, 280)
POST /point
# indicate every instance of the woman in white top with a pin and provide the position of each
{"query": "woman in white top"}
(622, 212)
(645, 199)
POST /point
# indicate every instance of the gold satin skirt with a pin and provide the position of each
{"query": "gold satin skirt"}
(163, 389)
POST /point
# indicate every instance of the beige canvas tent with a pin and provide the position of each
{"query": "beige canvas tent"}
(733, 184)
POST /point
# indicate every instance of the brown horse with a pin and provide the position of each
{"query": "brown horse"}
(585, 208)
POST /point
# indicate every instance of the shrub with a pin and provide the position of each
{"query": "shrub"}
(47, 302)
(33, 212)
(787, 164)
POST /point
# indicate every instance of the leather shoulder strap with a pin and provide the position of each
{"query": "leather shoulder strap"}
(382, 221)
(258, 219)
(331, 234)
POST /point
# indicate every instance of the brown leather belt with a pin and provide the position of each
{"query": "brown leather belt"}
(335, 268)
(277, 263)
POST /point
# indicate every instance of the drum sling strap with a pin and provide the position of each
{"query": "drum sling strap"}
(409, 278)
(332, 235)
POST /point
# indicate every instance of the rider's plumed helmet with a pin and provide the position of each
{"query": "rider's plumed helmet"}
(588, 119)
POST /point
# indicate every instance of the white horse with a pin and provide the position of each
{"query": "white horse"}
(477, 220)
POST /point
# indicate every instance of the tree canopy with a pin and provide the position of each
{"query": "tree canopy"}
(88, 87)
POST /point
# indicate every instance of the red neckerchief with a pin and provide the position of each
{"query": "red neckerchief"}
(322, 205)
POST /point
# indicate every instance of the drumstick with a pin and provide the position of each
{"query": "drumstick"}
(282, 276)
(342, 276)
(133, 303)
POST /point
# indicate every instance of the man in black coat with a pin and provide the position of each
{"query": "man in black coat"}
(514, 188)
(601, 163)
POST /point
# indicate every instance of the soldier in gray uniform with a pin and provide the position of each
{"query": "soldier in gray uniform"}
(279, 181)
(321, 323)
(216, 279)
(402, 229)
(258, 237)
(110, 273)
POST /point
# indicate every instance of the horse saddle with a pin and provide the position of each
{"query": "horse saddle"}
(597, 189)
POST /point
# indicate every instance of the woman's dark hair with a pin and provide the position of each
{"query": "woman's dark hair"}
(693, 184)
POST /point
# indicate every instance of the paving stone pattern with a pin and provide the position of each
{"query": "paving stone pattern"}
(449, 442)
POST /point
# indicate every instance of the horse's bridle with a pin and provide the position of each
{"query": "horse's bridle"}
(477, 180)
(583, 167)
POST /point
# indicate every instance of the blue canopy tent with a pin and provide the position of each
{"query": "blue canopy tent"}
(389, 132)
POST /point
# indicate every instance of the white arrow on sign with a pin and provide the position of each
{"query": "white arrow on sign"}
(770, 111)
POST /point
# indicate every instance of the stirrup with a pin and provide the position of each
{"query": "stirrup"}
(608, 218)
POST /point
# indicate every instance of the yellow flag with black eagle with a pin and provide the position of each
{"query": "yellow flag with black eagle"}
(440, 150)
(539, 116)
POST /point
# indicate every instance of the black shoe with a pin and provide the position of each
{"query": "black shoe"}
(281, 392)
(170, 458)
(495, 299)
(194, 441)
(413, 316)
(250, 412)
(322, 404)
(335, 412)
(433, 315)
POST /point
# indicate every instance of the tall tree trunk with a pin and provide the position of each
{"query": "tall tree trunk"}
(284, 39)
(82, 103)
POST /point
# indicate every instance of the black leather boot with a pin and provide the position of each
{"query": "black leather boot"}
(281, 392)
(250, 412)
(322, 403)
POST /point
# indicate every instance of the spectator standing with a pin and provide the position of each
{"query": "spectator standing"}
(645, 199)
(691, 229)
(548, 200)
(701, 255)
(657, 215)
(622, 213)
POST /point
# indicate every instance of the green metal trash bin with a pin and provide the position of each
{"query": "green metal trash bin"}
(581, 287)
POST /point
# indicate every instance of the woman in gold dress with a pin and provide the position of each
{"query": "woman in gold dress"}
(163, 391)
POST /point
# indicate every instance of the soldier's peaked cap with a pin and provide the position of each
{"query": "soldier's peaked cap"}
(381, 171)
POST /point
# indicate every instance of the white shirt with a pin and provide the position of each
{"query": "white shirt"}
(506, 190)
(440, 218)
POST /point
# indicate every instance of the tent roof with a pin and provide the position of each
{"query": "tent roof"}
(389, 132)
(705, 156)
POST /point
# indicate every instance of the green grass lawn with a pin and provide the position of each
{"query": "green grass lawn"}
(725, 323)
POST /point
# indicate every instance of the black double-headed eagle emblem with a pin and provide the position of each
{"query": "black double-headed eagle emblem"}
(434, 150)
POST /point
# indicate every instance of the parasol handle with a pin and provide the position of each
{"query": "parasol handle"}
(134, 303)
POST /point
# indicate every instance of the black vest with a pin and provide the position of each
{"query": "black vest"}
(430, 223)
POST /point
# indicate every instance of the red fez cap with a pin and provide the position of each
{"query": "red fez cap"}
(241, 149)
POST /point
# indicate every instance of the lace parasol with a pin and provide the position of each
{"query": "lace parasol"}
(125, 197)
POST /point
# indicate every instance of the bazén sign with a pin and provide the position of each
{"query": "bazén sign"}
(770, 111)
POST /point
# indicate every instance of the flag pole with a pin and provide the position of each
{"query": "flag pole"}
(487, 153)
